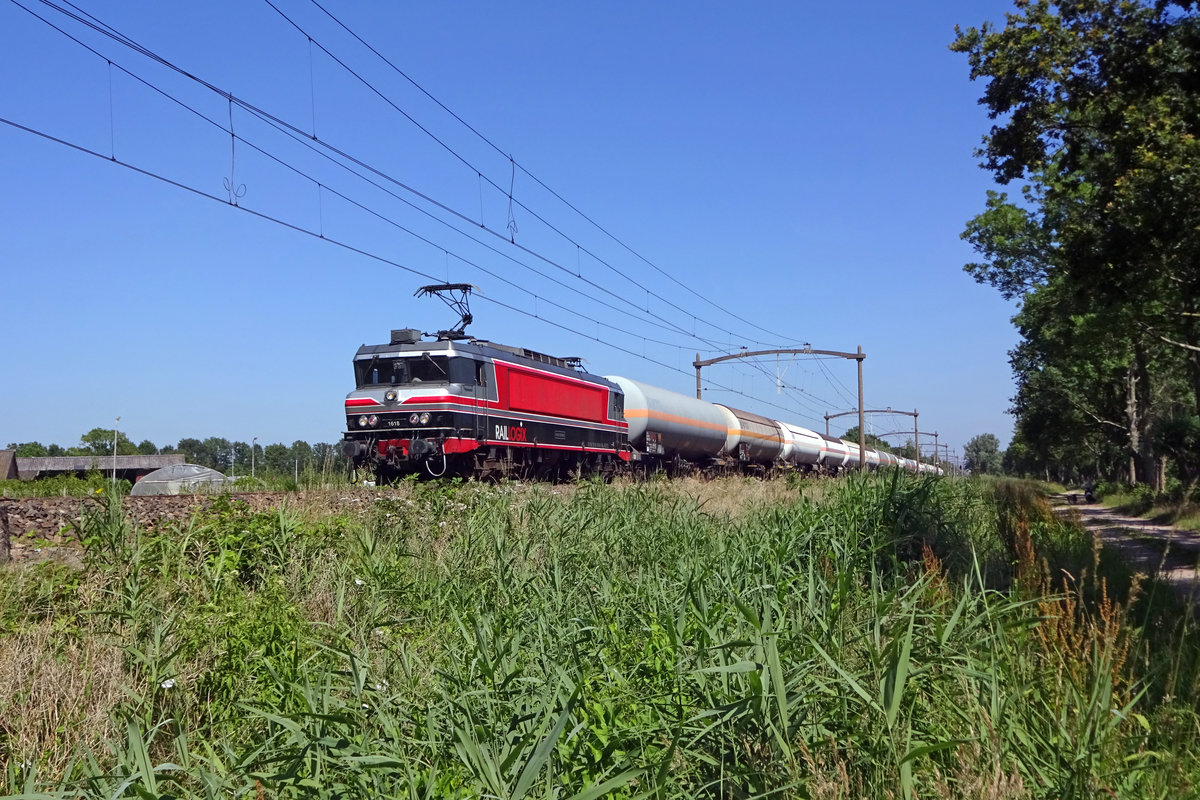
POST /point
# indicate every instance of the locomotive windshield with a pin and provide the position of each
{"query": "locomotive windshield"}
(424, 368)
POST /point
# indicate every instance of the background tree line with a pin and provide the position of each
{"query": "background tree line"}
(218, 453)
(1096, 111)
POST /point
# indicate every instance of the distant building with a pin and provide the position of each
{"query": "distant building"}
(131, 468)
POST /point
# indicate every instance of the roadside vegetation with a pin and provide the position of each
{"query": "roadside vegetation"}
(879, 636)
(1178, 505)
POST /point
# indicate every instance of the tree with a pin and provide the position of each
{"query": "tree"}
(242, 452)
(190, 449)
(277, 459)
(982, 455)
(28, 449)
(213, 452)
(871, 440)
(218, 452)
(147, 448)
(1097, 113)
(99, 442)
(302, 454)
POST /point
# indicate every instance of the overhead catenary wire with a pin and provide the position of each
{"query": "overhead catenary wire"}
(535, 178)
(306, 141)
(512, 200)
(97, 25)
(834, 381)
(351, 248)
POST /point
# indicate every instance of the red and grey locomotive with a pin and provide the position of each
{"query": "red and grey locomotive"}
(459, 406)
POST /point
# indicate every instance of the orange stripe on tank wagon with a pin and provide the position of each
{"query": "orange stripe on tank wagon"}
(638, 413)
(753, 435)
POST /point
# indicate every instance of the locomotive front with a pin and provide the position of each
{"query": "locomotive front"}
(411, 409)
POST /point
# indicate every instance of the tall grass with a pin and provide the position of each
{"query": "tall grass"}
(885, 635)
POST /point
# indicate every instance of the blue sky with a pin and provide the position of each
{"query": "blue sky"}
(805, 172)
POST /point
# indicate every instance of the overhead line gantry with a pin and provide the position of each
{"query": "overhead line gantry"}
(809, 351)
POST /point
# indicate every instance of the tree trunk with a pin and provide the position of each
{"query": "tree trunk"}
(1142, 468)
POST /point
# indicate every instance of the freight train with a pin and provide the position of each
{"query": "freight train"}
(460, 406)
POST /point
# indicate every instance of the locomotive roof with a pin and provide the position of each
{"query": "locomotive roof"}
(481, 347)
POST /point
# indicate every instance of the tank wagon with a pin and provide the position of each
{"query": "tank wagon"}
(459, 406)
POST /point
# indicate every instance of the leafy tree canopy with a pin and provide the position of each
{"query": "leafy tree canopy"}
(1096, 112)
(28, 449)
(871, 439)
(982, 455)
(99, 442)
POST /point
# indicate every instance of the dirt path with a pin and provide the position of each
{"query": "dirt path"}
(1170, 554)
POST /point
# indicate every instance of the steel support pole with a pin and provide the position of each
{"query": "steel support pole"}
(698, 397)
(862, 426)
(917, 440)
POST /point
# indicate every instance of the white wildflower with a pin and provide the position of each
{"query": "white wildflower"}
(169, 683)
(358, 581)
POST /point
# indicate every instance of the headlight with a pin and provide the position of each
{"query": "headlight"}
(362, 421)
(414, 418)
(425, 418)
(390, 395)
(372, 420)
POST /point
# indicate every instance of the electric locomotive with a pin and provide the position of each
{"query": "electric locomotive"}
(456, 405)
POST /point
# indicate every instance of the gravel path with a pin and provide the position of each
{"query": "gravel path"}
(1170, 554)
